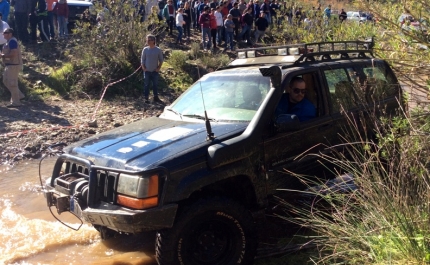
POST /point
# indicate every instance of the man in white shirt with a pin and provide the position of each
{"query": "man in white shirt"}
(219, 24)
(3, 26)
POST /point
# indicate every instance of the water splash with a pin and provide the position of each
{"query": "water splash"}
(22, 237)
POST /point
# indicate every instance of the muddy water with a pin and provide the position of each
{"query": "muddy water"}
(29, 234)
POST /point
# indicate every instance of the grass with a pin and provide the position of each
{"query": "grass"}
(386, 220)
(59, 79)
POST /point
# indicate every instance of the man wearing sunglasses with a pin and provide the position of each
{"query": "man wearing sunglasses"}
(294, 101)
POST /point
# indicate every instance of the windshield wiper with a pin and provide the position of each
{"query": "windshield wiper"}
(174, 111)
(197, 116)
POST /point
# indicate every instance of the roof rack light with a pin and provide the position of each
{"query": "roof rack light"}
(293, 51)
(241, 55)
(250, 54)
(282, 51)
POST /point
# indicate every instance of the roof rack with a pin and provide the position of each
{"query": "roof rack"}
(310, 51)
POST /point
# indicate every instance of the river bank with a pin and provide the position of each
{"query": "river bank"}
(26, 132)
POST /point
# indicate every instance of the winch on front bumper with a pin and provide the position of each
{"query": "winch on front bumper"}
(91, 193)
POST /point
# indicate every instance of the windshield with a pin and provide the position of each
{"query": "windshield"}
(231, 95)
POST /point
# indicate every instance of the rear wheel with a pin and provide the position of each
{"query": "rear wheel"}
(212, 231)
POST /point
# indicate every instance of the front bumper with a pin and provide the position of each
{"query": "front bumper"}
(81, 190)
(115, 217)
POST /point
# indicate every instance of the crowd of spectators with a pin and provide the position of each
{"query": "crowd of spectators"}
(36, 15)
(237, 20)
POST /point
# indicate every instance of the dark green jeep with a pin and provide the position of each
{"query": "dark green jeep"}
(202, 173)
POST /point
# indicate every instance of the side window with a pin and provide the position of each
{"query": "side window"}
(301, 97)
(379, 84)
(349, 87)
(341, 84)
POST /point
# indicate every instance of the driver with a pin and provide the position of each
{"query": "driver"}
(251, 97)
(294, 101)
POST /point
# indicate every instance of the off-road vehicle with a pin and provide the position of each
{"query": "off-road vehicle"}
(203, 173)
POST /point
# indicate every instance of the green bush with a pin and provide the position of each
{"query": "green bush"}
(195, 49)
(178, 59)
(110, 50)
(386, 220)
(214, 62)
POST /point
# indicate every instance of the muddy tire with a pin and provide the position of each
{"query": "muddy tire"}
(213, 231)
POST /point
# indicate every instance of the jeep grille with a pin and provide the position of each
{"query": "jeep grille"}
(105, 180)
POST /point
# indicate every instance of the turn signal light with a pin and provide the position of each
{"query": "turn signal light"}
(135, 203)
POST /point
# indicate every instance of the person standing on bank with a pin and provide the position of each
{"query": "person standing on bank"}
(4, 9)
(3, 26)
(180, 22)
(42, 18)
(51, 28)
(12, 60)
(151, 60)
(61, 9)
(21, 10)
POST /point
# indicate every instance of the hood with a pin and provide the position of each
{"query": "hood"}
(152, 142)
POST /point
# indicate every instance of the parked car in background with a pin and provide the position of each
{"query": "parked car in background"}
(79, 10)
(356, 16)
(407, 21)
(417, 28)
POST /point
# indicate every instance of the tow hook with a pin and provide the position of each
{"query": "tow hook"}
(105, 233)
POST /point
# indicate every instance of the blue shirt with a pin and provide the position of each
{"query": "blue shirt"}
(256, 10)
(4, 9)
(304, 109)
(327, 12)
(13, 44)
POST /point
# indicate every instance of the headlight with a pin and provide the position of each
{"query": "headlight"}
(137, 192)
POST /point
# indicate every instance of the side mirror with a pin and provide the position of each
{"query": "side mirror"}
(287, 123)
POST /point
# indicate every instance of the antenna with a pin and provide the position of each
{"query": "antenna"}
(210, 134)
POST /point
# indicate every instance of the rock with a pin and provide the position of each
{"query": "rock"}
(92, 124)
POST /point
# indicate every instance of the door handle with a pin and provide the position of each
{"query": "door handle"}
(324, 127)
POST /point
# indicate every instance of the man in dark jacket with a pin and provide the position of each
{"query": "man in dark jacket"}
(22, 9)
(265, 7)
(248, 21)
(256, 9)
(342, 16)
(169, 14)
(205, 23)
(42, 19)
(214, 4)
(235, 12)
(261, 24)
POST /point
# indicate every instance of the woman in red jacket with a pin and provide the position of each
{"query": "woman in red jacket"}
(62, 11)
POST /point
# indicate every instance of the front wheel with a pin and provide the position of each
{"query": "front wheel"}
(213, 231)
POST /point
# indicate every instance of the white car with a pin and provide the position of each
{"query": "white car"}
(356, 16)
